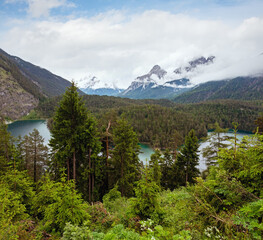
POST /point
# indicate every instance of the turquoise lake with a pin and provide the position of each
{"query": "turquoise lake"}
(25, 127)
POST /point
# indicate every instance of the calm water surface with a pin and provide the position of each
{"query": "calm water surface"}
(25, 127)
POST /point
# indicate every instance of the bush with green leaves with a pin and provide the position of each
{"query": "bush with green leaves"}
(22, 186)
(250, 218)
(117, 206)
(100, 218)
(178, 211)
(145, 204)
(57, 203)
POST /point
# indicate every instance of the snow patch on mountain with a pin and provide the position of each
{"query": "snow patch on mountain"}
(92, 82)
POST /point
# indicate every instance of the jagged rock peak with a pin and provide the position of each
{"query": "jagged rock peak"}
(195, 63)
(157, 70)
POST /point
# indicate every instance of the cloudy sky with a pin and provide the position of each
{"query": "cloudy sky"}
(119, 40)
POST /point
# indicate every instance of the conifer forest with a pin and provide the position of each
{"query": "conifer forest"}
(88, 182)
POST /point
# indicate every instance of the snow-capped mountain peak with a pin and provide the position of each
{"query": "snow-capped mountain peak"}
(93, 82)
(154, 75)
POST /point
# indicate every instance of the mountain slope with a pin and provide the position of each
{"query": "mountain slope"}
(48, 83)
(18, 95)
(243, 88)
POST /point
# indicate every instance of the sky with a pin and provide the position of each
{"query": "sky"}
(117, 41)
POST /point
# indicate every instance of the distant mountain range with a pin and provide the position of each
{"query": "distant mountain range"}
(158, 83)
(23, 85)
(177, 86)
(93, 86)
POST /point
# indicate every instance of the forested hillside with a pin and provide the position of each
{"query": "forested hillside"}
(43, 80)
(240, 88)
(92, 185)
(155, 121)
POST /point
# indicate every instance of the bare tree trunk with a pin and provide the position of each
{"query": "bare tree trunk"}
(35, 163)
(122, 184)
(74, 165)
(107, 155)
(90, 175)
(93, 181)
(186, 175)
(68, 168)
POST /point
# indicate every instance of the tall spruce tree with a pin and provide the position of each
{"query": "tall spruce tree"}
(125, 158)
(91, 166)
(187, 159)
(69, 122)
(75, 144)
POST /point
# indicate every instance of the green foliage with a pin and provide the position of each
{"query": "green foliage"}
(245, 162)
(76, 146)
(146, 204)
(155, 168)
(11, 206)
(178, 211)
(216, 141)
(117, 205)
(125, 158)
(5, 147)
(187, 160)
(34, 154)
(57, 203)
(250, 217)
(33, 115)
(22, 186)
(119, 232)
(67, 128)
(74, 232)
(101, 219)
(259, 124)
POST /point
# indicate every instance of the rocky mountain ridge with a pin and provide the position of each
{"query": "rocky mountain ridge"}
(159, 83)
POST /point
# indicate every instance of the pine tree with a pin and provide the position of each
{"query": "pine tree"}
(166, 164)
(125, 157)
(34, 153)
(154, 167)
(5, 146)
(259, 124)
(187, 159)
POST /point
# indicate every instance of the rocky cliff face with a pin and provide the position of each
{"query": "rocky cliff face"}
(15, 102)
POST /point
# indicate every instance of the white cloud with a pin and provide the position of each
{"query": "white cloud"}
(41, 8)
(115, 47)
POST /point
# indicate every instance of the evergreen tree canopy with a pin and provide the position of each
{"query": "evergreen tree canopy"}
(125, 157)
(34, 153)
(69, 121)
(187, 159)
